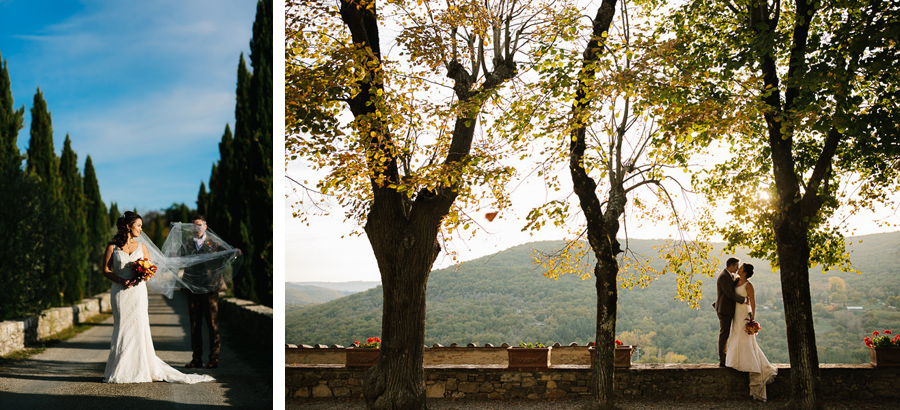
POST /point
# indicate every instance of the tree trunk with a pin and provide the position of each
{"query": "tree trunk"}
(601, 235)
(602, 376)
(793, 250)
(792, 223)
(405, 251)
(403, 232)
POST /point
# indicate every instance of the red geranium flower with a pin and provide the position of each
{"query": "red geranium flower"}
(618, 342)
(887, 332)
(875, 333)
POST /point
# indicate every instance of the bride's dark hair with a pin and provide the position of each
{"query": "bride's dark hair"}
(122, 227)
(748, 270)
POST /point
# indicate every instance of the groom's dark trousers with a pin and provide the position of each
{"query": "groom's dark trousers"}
(200, 307)
(725, 300)
(724, 332)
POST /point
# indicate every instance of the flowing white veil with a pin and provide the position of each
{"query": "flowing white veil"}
(181, 264)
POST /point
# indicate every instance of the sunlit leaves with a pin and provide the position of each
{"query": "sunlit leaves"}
(412, 138)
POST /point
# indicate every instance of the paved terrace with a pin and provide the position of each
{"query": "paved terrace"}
(70, 374)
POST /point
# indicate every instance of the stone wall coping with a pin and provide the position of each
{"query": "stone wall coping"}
(634, 366)
(292, 347)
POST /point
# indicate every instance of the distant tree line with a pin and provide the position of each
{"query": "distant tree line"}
(54, 223)
(238, 204)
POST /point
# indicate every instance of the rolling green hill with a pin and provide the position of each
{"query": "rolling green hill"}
(505, 298)
(309, 293)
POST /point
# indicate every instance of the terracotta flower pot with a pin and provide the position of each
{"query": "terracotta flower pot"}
(359, 357)
(622, 355)
(884, 356)
(521, 358)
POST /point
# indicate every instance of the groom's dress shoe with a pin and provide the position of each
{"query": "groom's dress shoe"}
(193, 364)
(214, 363)
(721, 364)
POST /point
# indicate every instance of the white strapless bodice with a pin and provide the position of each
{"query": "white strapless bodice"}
(120, 260)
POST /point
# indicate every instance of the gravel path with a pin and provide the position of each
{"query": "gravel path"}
(446, 404)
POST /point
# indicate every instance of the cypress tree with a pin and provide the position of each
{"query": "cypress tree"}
(43, 165)
(72, 199)
(11, 121)
(202, 199)
(98, 228)
(222, 188)
(260, 155)
(233, 175)
(261, 83)
(27, 225)
(239, 203)
(114, 215)
(42, 160)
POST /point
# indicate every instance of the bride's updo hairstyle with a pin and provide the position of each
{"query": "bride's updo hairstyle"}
(123, 225)
(748, 270)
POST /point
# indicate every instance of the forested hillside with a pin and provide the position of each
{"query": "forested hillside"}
(505, 298)
(298, 294)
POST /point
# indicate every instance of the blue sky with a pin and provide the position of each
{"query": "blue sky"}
(145, 88)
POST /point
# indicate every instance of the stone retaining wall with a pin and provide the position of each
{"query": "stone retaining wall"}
(645, 381)
(437, 356)
(15, 334)
(254, 318)
(12, 336)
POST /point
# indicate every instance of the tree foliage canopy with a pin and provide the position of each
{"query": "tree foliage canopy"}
(443, 67)
(835, 95)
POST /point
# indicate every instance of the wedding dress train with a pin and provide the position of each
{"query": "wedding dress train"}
(132, 358)
(743, 353)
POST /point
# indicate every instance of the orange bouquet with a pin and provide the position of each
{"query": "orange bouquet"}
(144, 269)
(752, 327)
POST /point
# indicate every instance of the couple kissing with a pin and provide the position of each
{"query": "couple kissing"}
(736, 308)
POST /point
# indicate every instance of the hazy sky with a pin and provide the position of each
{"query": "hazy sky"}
(325, 251)
(143, 87)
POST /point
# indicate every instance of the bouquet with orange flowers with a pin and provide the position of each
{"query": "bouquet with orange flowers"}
(144, 269)
(752, 327)
(371, 343)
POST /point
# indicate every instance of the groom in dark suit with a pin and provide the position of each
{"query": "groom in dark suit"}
(203, 305)
(726, 299)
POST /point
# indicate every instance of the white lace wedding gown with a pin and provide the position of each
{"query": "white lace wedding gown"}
(132, 358)
(743, 353)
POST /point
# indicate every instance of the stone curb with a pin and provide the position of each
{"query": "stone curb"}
(15, 334)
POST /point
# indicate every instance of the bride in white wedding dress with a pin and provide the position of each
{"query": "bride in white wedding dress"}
(132, 358)
(742, 352)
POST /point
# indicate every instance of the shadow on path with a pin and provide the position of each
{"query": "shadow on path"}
(39, 401)
(70, 373)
